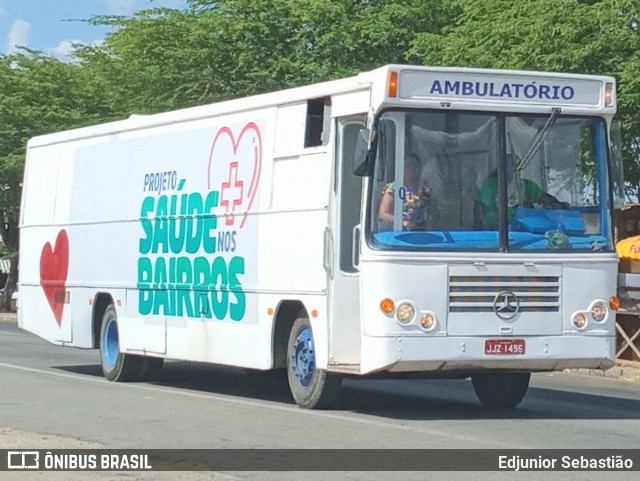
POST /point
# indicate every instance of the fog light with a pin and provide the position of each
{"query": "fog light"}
(405, 313)
(579, 320)
(598, 311)
(427, 322)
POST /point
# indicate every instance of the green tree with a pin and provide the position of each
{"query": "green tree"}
(165, 59)
(579, 36)
(38, 95)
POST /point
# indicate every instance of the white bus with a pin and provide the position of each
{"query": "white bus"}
(447, 222)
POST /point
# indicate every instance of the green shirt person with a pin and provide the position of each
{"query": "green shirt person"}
(485, 209)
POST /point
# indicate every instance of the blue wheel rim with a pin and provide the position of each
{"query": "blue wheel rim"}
(303, 356)
(110, 347)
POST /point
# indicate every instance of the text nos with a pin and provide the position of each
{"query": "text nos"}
(191, 287)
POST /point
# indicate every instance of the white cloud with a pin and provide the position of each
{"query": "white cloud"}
(18, 36)
(120, 7)
(63, 51)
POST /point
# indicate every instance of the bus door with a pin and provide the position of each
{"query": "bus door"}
(341, 249)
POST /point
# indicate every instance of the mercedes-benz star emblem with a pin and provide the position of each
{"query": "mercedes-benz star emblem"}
(506, 305)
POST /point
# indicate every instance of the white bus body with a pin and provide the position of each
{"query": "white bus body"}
(237, 233)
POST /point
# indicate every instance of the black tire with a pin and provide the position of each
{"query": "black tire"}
(116, 366)
(311, 388)
(501, 390)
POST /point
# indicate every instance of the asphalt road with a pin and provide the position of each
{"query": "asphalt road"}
(61, 391)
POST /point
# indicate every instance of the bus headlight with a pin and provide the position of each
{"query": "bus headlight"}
(405, 313)
(579, 320)
(598, 311)
(428, 321)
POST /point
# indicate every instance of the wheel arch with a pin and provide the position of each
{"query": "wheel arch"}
(100, 303)
(286, 314)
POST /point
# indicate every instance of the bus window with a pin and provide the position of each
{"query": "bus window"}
(431, 175)
(557, 198)
(317, 122)
(350, 196)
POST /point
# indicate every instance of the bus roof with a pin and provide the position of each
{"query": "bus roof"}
(417, 87)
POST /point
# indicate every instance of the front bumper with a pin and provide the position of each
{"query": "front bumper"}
(542, 353)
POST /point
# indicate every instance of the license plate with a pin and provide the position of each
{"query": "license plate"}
(504, 346)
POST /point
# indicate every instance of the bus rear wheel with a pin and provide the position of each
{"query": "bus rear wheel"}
(117, 366)
(501, 390)
(311, 388)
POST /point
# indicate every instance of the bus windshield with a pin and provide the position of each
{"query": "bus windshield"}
(478, 181)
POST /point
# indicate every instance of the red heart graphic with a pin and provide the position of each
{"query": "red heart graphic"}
(232, 173)
(54, 266)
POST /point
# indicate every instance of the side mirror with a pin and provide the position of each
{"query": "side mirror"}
(361, 164)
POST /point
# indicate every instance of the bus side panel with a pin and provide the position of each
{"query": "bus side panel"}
(44, 243)
(179, 225)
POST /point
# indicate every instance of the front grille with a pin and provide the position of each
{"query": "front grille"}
(477, 293)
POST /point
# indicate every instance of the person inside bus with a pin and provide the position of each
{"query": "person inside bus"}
(522, 192)
(418, 210)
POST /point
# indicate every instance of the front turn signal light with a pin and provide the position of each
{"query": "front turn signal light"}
(387, 306)
(614, 303)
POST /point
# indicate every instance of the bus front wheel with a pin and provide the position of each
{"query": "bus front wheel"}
(500, 390)
(311, 388)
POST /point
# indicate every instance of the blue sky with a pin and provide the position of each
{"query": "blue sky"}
(43, 24)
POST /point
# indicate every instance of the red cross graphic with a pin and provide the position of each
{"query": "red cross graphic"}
(234, 189)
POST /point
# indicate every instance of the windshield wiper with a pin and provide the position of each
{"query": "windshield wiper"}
(538, 140)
